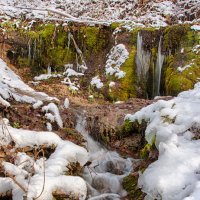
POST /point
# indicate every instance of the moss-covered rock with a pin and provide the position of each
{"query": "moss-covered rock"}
(130, 185)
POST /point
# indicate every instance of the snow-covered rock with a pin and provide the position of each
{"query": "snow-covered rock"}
(173, 123)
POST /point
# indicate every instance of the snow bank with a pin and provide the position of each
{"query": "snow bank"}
(29, 173)
(174, 123)
(12, 87)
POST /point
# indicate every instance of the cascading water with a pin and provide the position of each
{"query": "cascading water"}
(142, 59)
(105, 174)
(158, 69)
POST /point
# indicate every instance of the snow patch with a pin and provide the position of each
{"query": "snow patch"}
(117, 56)
(96, 81)
(51, 107)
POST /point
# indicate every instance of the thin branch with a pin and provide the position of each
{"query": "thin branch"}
(17, 183)
(44, 177)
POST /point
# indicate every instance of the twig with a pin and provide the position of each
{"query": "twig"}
(16, 182)
(44, 177)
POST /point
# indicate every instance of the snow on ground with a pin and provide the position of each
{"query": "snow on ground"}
(12, 87)
(153, 12)
(174, 124)
(181, 69)
(29, 170)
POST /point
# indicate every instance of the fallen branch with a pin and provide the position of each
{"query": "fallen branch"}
(68, 16)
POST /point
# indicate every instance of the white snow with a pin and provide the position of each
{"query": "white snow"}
(37, 104)
(46, 76)
(12, 87)
(173, 123)
(117, 56)
(4, 102)
(112, 84)
(29, 171)
(70, 72)
(196, 49)
(96, 81)
(196, 27)
(181, 69)
(66, 103)
(49, 126)
(153, 13)
(51, 107)
(73, 86)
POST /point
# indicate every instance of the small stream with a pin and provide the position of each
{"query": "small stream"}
(105, 174)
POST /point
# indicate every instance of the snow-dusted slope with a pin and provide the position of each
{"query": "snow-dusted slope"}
(176, 126)
(12, 87)
(154, 12)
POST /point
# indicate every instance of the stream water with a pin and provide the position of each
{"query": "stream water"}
(105, 174)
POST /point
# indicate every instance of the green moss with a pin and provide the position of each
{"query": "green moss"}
(176, 81)
(46, 32)
(130, 185)
(144, 152)
(90, 35)
(33, 34)
(115, 25)
(127, 129)
(8, 26)
(173, 35)
(23, 62)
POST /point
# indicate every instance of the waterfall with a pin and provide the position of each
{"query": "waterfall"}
(107, 170)
(142, 59)
(158, 69)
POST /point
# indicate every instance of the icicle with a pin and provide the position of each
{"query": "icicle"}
(49, 70)
(34, 49)
(69, 40)
(158, 70)
(142, 59)
(29, 51)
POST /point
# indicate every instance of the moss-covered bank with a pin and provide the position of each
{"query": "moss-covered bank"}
(39, 45)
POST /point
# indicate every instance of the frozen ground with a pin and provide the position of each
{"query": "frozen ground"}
(155, 13)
